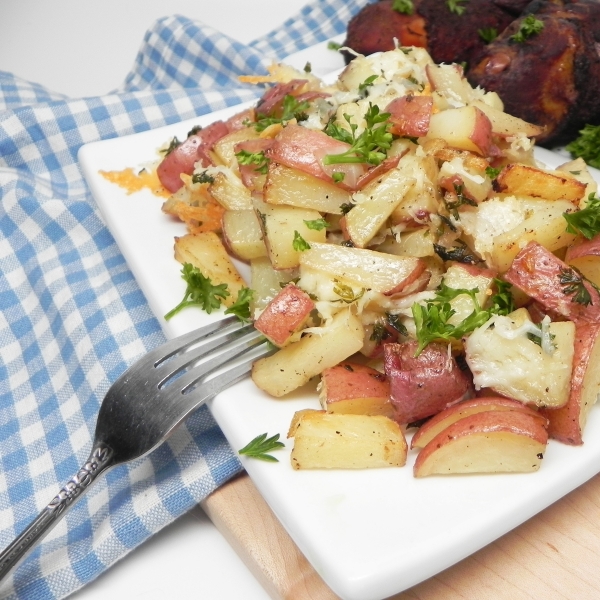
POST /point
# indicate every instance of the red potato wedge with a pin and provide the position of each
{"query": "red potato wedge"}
(454, 413)
(286, 314)
(352, 388)
(547, 279)
(566, 424)
(424, 385)
(486, 442)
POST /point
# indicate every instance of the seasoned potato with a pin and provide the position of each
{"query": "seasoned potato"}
(343, 441)
(503, 356)
(294, 365)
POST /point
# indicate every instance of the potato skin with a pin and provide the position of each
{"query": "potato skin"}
(424, 385)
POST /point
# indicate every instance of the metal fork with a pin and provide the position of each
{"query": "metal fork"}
(145, 405)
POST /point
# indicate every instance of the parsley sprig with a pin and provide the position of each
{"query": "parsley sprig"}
(404, 7)
(291, 109)
(587, 220)
(254, 158)
(241, 307)
(456, 7)
(260, 445)
(587, 145)
(370, 146)
(199, 292)
(432, 319)
(529, 27)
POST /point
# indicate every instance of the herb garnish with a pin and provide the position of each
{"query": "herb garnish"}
(492, 172)
(174, 143)
(461, 200)
(573, 283)
(254, 158)
(529, 26)
(488, 34)
(291, 109)
(260, 445)
(395, 323)
(460, 253)
(203, 177)
(199, 292)
(587, 220)
(432, 319)
(346, 293)
(587, 145)
(333, 46)
(455, 6)
(317, 224)
(363, 88)
(299, 243)
(405, 7)
(241, 307)
(368, 147)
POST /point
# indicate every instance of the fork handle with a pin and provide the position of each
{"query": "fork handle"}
(100, 459)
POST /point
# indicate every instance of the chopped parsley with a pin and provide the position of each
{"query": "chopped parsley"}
(529, 26)
(174, 143)
(199, 292)
(333, 46)
(456, 6)
(291, 109)
(587, 145)
(299, 243)
(368, 147)
(573, 283)
(405, 7)
(492, 172)
(432, 319)
(460, 253)
(317, 224)
(488, 34)
(254, 158)
(203, 177)
(241, 307)
(363, 88)
(260, 446)
(346, 293)
(587, 220)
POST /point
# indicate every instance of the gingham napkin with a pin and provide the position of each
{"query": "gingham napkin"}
(72, 317)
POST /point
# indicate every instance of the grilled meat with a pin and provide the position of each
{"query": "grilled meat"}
(553, 77)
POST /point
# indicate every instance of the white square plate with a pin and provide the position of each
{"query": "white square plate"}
(369, 534)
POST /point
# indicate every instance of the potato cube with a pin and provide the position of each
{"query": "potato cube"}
(352, 388)
(286, 314)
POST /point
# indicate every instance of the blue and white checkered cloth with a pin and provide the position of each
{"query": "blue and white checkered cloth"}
(72, 317)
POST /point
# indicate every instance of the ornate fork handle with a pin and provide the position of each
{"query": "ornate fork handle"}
(100, 459)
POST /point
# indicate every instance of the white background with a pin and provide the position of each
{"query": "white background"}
(84, 48)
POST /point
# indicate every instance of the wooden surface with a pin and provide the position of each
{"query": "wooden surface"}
(554, 556)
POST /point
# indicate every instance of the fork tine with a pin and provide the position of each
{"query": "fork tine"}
(181, 343)
(172, 367)
(229, 351)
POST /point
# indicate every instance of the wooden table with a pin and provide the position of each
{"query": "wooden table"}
(553, 556)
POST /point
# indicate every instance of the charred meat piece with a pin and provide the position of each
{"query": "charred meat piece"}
(448, 35)
(551, 78)
(376, 26)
